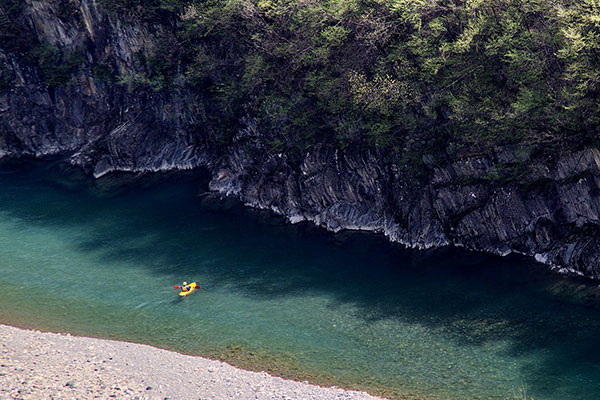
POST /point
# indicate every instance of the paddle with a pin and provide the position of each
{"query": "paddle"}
(179, 287)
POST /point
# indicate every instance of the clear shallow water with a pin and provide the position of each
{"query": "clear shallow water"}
(100, 259)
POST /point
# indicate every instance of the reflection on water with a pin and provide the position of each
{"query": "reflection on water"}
(100, 259)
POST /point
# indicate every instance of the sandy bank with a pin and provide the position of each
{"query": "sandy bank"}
(37, 365)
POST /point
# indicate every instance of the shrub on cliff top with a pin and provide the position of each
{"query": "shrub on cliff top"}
(472, 73)
(411, 76)
(55, 67)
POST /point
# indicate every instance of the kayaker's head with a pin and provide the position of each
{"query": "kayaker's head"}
(184, 283)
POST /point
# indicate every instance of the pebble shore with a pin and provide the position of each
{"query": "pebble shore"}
(40, 365)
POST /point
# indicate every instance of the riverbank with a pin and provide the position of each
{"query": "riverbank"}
(41, 365)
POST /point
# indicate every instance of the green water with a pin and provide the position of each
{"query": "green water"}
(100, 259)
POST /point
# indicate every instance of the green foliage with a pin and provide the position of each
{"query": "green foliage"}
(55, 67)
(411, 76)
(155, 66)
(102, 71)
(466, 73)
(147, 10)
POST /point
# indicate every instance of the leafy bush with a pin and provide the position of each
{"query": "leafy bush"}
(469, 73)
(55, 68)
(413, 77)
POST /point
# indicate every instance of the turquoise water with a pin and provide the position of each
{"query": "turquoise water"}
(100, 259)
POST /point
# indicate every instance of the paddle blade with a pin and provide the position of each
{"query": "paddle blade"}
(176, 287)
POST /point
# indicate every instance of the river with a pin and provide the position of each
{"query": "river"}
(100, 258)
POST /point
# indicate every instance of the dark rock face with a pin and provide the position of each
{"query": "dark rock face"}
(103, 126)
(557, 223)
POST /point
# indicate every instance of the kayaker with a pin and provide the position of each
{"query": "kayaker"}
(185, 287)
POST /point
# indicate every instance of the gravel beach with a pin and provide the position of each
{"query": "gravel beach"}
(40, 365)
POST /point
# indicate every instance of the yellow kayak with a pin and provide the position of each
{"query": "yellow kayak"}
(193, 286)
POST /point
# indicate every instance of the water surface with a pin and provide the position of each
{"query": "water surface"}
(100, 259)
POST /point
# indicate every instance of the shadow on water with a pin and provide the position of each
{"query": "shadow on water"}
(475, 298)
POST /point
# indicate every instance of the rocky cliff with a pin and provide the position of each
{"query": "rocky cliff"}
(553, 216)
(100, 124)
(103, 124)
